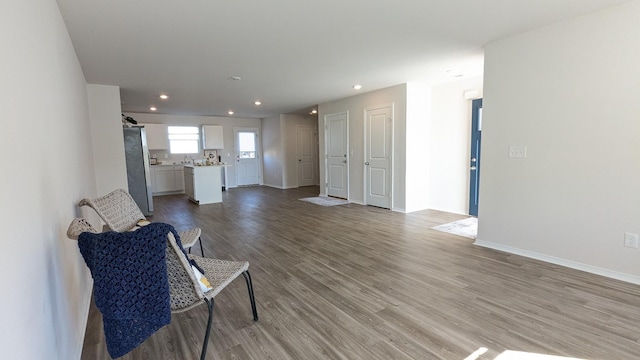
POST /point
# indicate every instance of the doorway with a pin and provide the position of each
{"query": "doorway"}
(474, 165)
(378, 156)
(337, 161)
(247, 156)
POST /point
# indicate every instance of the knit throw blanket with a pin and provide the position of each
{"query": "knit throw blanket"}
(130, 288)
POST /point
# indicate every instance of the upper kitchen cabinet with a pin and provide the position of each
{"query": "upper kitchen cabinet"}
(157, 138)
(212, 137)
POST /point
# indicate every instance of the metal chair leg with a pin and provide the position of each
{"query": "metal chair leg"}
(203, 354)
(247, 277)
(201, 249)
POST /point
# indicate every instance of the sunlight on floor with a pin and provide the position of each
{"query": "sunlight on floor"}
(521, 355)
(517, 355)
(474, 355)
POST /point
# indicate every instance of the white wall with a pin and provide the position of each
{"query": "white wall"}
(449, 145)
(569, 93)
(45, 131)
(228, 124)
(272, 152)
(355, 105)
(106, 134)
(417, 164)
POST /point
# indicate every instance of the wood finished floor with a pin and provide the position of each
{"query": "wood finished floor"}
(357, 282)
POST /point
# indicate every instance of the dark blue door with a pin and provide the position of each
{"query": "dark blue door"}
(474, 166)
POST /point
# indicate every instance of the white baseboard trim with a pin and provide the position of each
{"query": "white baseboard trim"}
(84, 309)
(280, 187)
(562, 262)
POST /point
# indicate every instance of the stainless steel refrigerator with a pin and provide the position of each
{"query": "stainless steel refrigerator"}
(138, 176)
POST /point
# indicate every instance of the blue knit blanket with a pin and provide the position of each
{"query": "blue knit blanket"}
(130, 288)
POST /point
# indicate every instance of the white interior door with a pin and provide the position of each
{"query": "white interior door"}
(247, 157)
(378, 156)
(337, 181)
(306, 154)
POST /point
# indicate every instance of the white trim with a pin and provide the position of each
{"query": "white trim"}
(279, 187)
(562, 262)
(86, 308)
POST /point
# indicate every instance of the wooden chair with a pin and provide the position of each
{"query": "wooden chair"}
(121, 213)
(185, 291)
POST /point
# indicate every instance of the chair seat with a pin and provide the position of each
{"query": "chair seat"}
(220, 272)
(190, 237)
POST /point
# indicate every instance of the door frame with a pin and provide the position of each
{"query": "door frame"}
(326, 152)
(474, 152)
(392, 154)
(258, 150)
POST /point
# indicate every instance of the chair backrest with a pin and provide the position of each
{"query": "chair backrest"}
(118, 210)
(183, 285)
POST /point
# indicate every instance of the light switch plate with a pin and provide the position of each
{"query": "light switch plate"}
(631, 240)
(518, 152)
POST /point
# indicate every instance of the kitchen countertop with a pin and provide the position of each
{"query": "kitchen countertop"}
(197, 166)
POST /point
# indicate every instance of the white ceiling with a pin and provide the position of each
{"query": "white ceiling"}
(291, 54)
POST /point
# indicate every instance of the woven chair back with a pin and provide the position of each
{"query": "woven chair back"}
(117, 209)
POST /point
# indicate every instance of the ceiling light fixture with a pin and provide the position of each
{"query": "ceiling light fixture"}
(164, 96)
(314, 111)
(153, 108)
(357, 86)
(257, 103)
(230, 112)
(234, 78)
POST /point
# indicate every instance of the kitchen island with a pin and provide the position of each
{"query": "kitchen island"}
(203, 183)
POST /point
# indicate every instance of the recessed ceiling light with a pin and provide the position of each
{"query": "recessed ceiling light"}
(357, 86)
(153, 108)
(234, 78)
(164, 96)
(230, 112)
(258, 103)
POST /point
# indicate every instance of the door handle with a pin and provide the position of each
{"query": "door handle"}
(473, 168)
(367, 163)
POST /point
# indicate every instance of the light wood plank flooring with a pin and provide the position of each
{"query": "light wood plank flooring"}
(357, 282)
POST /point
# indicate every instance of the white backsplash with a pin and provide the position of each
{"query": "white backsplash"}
(164, 157)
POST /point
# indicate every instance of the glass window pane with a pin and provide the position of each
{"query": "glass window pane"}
(246, 141)
(184, 139)
(247, 155)
(183, 146)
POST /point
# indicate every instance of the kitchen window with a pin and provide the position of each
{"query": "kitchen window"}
(184, 139)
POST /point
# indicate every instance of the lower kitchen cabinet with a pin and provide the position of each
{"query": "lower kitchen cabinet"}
(167, 179)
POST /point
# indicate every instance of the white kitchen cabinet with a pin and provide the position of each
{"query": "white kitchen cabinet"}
(178, 171)
(167, 179)
(203, 184)
(157, 136)
(188, 184)
(212, 137)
